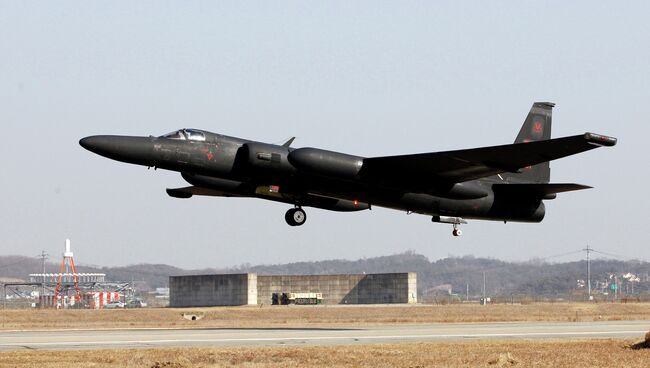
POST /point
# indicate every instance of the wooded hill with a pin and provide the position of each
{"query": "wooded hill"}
(533, 278)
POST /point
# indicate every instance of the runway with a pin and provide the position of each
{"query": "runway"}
(152, 338)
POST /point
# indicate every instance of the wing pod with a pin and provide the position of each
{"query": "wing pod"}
(222, 185)
(189, 192)
(334, 204)
(326, 163)
(469, 190)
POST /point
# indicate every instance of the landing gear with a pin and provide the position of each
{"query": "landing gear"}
(295, 216)
(456, 231)
(455, 221)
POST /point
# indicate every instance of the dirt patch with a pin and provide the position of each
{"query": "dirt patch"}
(504, 360)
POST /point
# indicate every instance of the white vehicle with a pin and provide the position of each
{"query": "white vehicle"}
(114, 305)
(136, 304)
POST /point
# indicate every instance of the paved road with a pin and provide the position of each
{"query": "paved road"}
(143, 338)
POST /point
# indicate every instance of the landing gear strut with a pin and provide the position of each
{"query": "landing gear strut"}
(295, 216)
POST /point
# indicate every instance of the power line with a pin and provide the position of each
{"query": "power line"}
(612, 254)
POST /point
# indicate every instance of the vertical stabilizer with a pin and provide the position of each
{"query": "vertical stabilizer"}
(537, 127)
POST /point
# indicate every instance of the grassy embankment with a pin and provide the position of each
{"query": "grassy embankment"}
(276, 316)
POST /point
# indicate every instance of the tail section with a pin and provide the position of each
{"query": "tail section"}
(537, 127)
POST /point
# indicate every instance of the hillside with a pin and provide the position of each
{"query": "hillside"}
(435, 278)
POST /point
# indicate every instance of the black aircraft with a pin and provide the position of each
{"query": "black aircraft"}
(502, 183)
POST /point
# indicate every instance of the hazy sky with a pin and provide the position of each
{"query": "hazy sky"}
(368, 78)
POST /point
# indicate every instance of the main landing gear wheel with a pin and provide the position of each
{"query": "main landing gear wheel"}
(295, 216)
(456, 231)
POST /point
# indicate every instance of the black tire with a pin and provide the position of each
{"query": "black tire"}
(288, 217)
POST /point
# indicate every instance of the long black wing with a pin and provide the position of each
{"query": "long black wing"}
(538, 190)
(463, 165)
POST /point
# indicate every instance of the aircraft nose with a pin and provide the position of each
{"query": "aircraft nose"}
(135, 150)
(91, 143)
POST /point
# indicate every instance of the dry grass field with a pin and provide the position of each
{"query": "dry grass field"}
(275, 316)
(581, 353)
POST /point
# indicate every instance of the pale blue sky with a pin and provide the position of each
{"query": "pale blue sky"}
(368, 78)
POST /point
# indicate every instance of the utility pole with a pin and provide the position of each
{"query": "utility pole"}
(484, 297)
(588, 250)
(43, 256)
(467, 292)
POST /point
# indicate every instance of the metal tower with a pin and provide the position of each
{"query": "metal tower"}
(67, 268)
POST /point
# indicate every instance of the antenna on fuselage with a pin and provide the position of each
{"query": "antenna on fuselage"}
(288, 143)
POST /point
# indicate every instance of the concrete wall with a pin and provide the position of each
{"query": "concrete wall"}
(412, 288)
(251, 289)
(343, 289)
(212, 290)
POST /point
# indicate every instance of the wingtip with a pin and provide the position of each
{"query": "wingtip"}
(600, 140)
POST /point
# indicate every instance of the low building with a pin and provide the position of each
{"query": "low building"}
(251, 289)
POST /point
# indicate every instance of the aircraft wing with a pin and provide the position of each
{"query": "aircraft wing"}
(469, 164)
(537, 189)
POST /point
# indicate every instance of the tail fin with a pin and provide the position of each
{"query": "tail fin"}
(537, 127)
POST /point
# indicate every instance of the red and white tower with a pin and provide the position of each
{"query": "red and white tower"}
(67, 275)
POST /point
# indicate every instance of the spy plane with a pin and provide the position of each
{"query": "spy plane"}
(501, 183)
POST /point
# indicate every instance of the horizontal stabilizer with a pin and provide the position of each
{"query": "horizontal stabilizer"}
(536, 190)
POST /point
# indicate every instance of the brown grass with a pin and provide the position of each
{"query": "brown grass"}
(581, 353)
(275, 316)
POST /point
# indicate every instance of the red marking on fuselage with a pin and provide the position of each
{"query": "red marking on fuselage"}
(210, 156)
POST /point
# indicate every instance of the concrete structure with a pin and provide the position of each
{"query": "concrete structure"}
(250, 289)
(212, 290)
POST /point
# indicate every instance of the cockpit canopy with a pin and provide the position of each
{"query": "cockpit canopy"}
(186, 134)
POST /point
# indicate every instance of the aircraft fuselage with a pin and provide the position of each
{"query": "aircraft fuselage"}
(503, 183)
(244, 168)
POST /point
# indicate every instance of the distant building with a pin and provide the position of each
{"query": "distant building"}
(251, 289)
